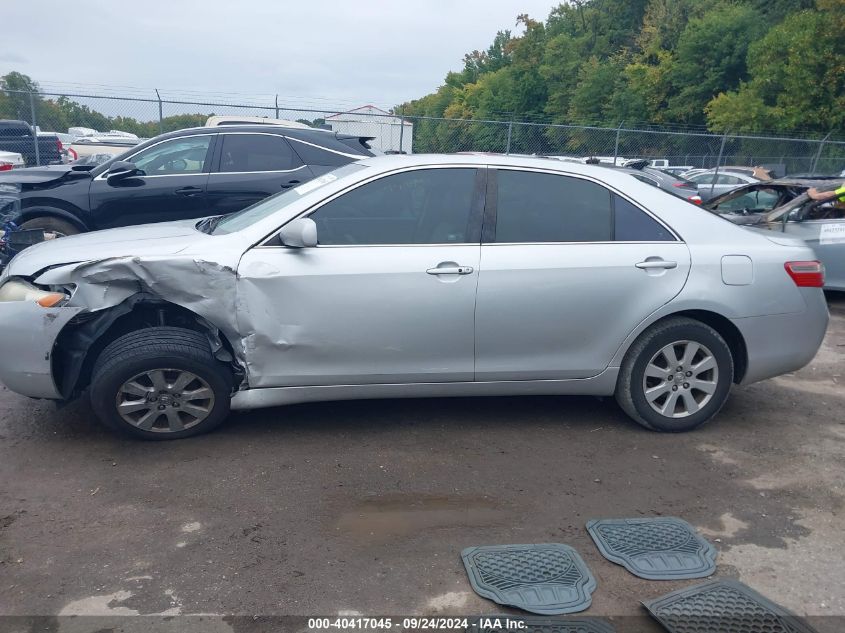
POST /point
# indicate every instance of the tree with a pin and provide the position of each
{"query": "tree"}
(710, 57)
(797, 77)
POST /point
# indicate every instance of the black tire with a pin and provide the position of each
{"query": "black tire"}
(170, 350)
(632, 382)
(49, 223)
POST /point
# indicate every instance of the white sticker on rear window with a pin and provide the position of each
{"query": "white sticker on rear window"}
(318, 182)
(832, 234)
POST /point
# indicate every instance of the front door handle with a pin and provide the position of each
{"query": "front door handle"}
(656, 263)
(188, 191)
(450, 270)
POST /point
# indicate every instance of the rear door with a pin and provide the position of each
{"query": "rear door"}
(250, 166)
(568, 269)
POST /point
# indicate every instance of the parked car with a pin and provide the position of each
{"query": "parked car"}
(20, 138)
(663, 164)
(711, 184)
(100, 145)
(186, 174)
(782, 206)
(365, 283)
(676, 185)
(676, 170)
(218, 120)
(11, 160)
(760, 173)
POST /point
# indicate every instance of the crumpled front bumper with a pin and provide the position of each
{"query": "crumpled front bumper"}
(28, 335)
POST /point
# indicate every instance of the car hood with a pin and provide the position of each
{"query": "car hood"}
(147, 240)
(38, 175)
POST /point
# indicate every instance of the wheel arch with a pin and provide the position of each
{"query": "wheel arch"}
(82, 341)
(726, 329)
(48, 207)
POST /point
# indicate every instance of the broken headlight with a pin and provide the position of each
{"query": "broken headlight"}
(18, 290)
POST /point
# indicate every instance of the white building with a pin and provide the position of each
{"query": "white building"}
(368, 120)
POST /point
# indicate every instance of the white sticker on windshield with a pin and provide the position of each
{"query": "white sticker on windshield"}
(318, 182)
(832, 234)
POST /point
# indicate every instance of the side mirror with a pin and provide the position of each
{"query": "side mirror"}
(121, 169)
(299, 233)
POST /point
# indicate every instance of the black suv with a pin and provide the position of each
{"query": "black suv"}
(180, 175)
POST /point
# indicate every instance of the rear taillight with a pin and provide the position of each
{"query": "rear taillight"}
(695, 199)
(806, 274)
(4, 166)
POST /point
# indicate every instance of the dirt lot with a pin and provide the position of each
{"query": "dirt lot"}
(365, 506)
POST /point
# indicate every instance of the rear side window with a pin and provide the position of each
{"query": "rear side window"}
(256, 152)
(313, 155)
(537, 207)
(632, 225)
(14, 131)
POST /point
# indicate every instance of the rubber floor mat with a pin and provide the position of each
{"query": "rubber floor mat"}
(661, 548)
(548, 578)
(512, 623)
(723, 606)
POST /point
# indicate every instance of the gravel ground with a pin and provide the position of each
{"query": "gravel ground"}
(364, 507)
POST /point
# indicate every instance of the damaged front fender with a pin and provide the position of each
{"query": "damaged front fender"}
(108, 289)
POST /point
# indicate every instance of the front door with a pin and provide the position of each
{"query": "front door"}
(566, 274)
(388, 296)
(173, 185)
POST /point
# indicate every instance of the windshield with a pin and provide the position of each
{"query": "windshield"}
(271, 205)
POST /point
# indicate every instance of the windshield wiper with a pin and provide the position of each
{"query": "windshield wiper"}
(209, 224)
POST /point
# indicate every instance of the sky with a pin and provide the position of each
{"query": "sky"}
(320, 52)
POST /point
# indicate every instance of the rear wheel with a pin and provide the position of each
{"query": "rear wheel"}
(160, 383)
(59, 228)
(676, 376)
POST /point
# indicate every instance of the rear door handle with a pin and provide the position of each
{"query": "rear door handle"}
(188, 191)
(656, 263)
(450, 270)
(290, 184)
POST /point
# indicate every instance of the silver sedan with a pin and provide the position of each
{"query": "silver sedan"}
(414, 276)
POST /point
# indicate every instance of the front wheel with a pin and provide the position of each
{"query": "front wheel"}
(51, 225)
(676, 376)
(160, 383)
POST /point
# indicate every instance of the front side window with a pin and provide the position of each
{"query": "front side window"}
(256, 152)
(176, 156)
(538, 207)
(425, 206)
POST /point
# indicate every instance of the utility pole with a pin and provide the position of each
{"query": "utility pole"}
(718, 163)
(34, 128)
(160, 114)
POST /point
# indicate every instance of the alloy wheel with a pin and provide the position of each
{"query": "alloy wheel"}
(680, 379)
(165, 400)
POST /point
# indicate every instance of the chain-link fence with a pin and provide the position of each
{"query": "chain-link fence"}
(102, 116)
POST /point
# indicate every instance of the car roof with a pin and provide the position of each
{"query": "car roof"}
(305, 134)
(604, 173)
